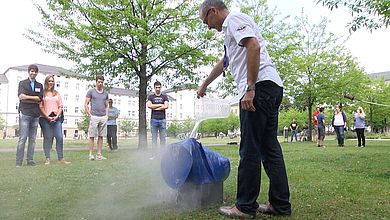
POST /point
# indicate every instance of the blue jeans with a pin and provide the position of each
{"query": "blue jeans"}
(28, 129)
(259, 145)
(158, 126)
(294, 134)
(340, 135)
(51, 131)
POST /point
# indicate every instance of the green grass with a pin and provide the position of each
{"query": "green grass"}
(325, 183)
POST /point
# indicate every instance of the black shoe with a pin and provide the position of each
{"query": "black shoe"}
(31, 163)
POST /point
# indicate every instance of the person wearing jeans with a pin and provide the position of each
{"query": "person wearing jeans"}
(30, 93)
(339, 123)
(359, 118)
(51, 121)
(112, 128)
(158, 102)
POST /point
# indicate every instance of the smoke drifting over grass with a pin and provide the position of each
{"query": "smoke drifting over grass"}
(126, 189)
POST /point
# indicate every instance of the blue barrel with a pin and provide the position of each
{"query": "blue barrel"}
(188, 161)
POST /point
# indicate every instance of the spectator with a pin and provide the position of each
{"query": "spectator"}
(339, 123)
(96, 107)
(30, 93)
(51, 121)
(359, 118)
(321, 127)
(112, 128)
(158, 102)
(294, 130)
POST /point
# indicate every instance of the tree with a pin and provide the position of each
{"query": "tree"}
(371, 14)
(83, 125)
(2, 123)
(322, 69)
(130, 41)
(127, 125)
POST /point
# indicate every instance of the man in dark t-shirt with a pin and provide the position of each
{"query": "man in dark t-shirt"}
(158, 103)
(294, 130)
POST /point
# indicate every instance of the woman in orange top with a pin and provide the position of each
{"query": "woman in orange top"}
(50, 120)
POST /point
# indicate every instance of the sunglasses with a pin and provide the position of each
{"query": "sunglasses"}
(205, 20)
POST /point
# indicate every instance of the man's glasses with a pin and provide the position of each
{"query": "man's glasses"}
(205, 21)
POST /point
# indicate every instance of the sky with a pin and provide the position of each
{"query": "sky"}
(370, 49)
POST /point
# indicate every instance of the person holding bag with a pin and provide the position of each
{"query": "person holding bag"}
(51, 121)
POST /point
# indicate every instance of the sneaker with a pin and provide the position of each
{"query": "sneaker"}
(267, 209)
(47, 161)
(31, 163)
(91, 157)
(63, 161)
(100, 157)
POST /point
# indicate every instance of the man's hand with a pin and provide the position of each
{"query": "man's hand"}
(247, 101)
(201, 91)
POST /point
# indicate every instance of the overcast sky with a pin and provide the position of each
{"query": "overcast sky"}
(371, 49)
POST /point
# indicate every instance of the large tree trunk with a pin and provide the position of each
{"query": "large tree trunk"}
(142, 131)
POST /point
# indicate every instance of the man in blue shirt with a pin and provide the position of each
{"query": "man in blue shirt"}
(112, 129)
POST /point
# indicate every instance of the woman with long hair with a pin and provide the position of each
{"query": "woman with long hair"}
(51, 120)
(359, 118)
(339, 122)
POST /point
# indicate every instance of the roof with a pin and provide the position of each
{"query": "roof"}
(46, 69)
(3, 78)
(385, 75)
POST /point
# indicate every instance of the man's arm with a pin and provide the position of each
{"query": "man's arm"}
(163, 106)
(253, 64)
(86, 105)
(215, 72)
(29, 98)
(153, 106)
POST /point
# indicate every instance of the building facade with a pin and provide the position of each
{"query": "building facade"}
(73, 89)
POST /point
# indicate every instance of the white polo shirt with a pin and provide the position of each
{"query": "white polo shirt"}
(236, 27)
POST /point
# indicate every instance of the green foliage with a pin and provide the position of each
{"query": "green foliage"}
(370, 14)
(224, 125)
(83, 124)
(127, 125)
(2, 123)
(286, 117)
(179, 127)
(128, 41)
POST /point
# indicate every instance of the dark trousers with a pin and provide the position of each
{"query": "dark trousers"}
(111, 137)
(340, 135)
(259, 145)
(360, 136)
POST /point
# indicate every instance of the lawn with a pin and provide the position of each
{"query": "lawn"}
(325, 183)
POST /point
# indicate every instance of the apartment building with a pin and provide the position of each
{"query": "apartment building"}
(73, 89)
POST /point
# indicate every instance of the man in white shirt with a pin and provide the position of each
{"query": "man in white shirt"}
(261, 92)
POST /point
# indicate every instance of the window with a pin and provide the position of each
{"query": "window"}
(76, 109)
(76, 121)
(119, 101)
(77, 86)
(129, 102)
(17, 119)
(65, 121)
(58, 84)
(181, 106)
(65, 108)
(17, 105)
(181, 97)
(65, 97)
(133, 113)
(181, 115)
(66, 84)
(77, 98)
(129, 113)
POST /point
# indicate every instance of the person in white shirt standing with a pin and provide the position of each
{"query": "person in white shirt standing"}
(261, 91)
